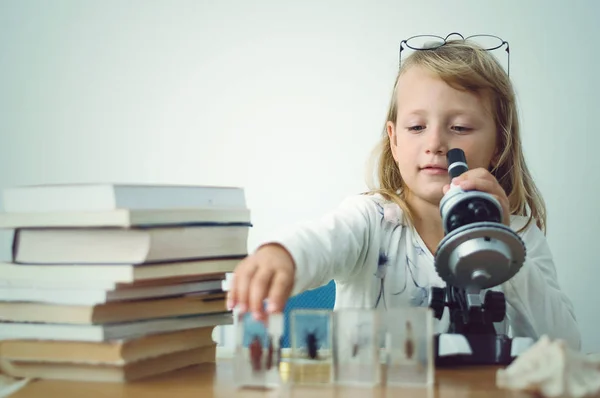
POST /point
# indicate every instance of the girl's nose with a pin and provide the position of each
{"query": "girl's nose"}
(437, 140)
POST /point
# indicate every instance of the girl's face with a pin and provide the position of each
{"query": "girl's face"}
(432, 119)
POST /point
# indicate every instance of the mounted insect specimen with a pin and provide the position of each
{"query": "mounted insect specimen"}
(356, 347)
(258, 351)
(311, 333)
(409, 346)
(311, 341)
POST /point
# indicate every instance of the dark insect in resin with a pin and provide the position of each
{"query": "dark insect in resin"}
(359, 339)
(256, 353)
(355, 347)
(312, 345)
(279, 350)
(272, 351)
(269, 361)
(409, 345)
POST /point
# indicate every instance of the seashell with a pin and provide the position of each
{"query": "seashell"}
(549, 368)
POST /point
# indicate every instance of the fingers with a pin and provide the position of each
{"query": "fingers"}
(260, 285)
(479, 172)
(231, 294)
(268, 273)
(481, 184)
(280, 291)
(238, 295)
(479, 179)
(482, 180)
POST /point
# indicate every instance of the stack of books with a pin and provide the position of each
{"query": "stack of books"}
(116, 282)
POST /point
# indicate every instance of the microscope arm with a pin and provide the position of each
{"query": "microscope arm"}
(470, 314)
(473, 318)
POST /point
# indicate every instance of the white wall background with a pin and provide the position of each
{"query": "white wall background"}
(286, 99)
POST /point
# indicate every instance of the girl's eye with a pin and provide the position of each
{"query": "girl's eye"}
(461, 129)
(416, 128)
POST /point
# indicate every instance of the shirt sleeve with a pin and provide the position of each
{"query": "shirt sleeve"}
(332, 247)
(536, 305)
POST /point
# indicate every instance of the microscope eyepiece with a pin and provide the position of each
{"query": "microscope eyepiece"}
(457, 162)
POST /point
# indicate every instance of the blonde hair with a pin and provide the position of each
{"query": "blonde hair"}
(465, 66)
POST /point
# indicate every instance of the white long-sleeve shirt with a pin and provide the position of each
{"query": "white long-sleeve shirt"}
(377, 261)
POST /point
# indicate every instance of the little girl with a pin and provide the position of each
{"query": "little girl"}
(378, 247)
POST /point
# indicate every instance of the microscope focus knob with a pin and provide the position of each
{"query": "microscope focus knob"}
(495, 305)
(437, 301)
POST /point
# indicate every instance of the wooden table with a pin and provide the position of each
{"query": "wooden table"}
(216, 380)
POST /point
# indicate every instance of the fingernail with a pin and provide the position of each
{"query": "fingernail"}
(242, 308)
(271, 307)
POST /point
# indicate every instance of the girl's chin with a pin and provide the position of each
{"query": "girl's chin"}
(432, 195)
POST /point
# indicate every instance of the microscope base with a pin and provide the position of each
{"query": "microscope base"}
(487, 349)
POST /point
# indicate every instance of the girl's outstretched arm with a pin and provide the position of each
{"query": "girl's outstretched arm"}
(335, 246)
(535, 303)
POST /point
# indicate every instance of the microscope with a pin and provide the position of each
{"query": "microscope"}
(477, 252)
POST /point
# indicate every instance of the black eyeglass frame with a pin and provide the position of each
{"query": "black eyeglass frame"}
(444, 41)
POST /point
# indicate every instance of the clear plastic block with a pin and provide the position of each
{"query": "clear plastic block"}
(258, 351)
(409, 347)
(311, 361)
(356, 346)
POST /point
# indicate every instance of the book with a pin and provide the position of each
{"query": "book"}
(110, 373)
(107, 332)
(114, 352)
(126, 218)
(86, 296)
(111, 276)
(116, 282)
(127, 246)
(116, 312)
(102, 197)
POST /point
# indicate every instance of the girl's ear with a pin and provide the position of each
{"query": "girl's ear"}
(495, 158)
(391, 132)
(494, 162)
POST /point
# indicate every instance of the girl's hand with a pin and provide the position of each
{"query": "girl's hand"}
(266, 274)
(482, 180)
